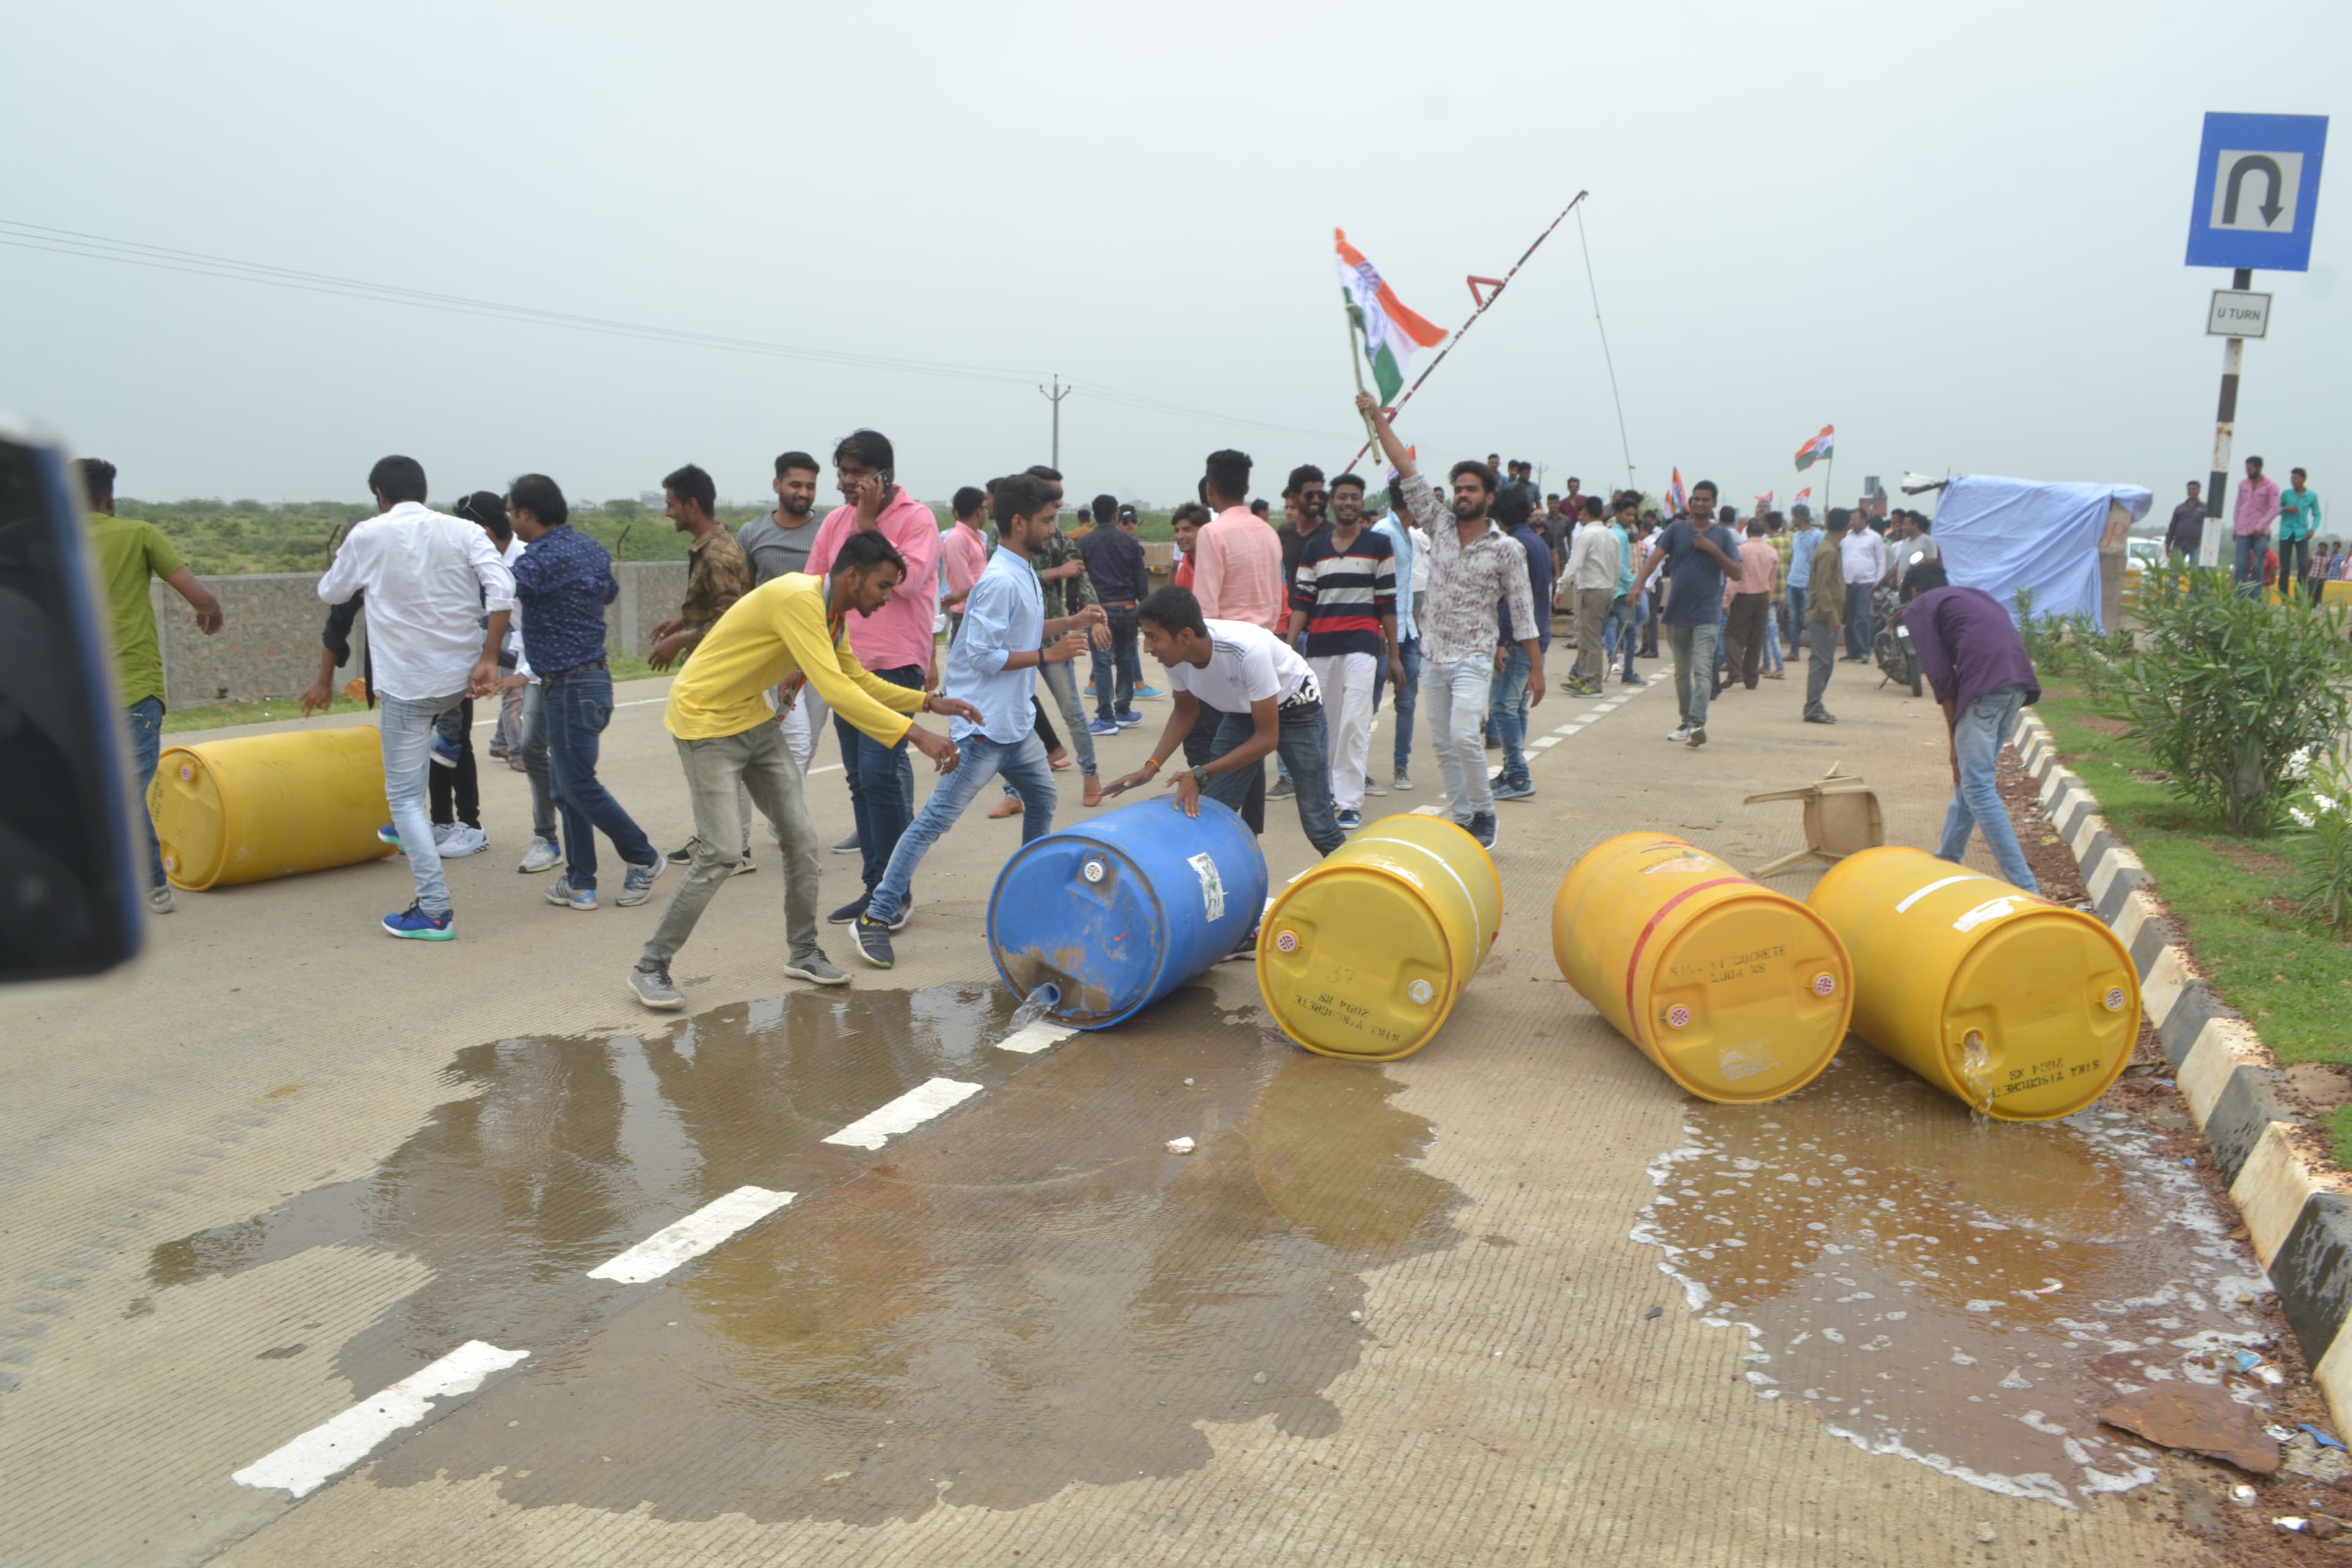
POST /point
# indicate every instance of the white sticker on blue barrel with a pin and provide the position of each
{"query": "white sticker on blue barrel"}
(1213, 886)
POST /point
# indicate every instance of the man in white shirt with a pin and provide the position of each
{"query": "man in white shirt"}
(1264, 698)
(1863, 557)
(1596, 560)
(430, 581)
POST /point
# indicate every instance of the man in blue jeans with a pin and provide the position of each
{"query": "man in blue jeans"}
(438, 597)
(125, 554)
(1970, 653)
(1508, 699)
(1392, 526)
(990, 666)
(1265, 699)
(564, 580)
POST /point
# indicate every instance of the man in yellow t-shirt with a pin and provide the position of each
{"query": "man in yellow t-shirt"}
(787, 630)
(125, 554)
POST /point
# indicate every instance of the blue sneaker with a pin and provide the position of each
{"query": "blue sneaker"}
(1149, 691)
(639, 885)
(1515, 791)
(1127, 720)
(446, 752)
(417, 926)
(1102, 727)
(388, 834)
(1349, 820)
(564, 893)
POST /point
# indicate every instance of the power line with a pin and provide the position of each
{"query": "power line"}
(1622, 441)
(101, 247)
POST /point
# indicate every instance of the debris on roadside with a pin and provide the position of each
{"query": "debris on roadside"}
(2203, 1418)
(1181, 1145)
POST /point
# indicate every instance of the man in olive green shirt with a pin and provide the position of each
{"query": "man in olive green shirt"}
(125, 554)
(1824, 609)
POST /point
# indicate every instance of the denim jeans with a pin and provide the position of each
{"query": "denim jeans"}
(534, 764)
(2253, 551)
(1023, 766)
(1507, 707)
(1456, 691)
(881, 784)
(454, 795)
(577, 704)
(1694, 650)
(146, 745)
(2294, 562)
(1299, 742)
(1861, 627)
(1062, 680)
(1625, 618)
(1124, 655)
(719, 773)
(405, 731)
(1408, 696)
(1982, 730)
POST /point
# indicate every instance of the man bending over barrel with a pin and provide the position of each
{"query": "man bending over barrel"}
(787, 628)
(991, 678)
(1265, 698)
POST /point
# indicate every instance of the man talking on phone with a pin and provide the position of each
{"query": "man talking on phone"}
(894, 643)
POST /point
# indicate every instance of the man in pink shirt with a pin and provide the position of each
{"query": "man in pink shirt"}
(895, 642)
(1237, 576)
(963, 550)
(2258, 508)
(1748, 615)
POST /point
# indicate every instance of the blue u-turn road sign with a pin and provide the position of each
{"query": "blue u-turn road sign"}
(2257, 190)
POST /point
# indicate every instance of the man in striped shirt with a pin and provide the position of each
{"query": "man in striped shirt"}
(1343, 617)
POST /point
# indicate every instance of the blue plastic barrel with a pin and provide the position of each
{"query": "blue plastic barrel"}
(1119, 911)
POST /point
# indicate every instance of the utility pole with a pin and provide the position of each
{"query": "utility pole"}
(1055, 397)
(2225, 423)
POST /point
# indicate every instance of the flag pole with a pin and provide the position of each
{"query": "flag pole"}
(1473, 320)
(1359, 350)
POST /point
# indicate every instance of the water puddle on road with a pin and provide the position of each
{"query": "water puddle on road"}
(1034, 1295)
(1969, 1297)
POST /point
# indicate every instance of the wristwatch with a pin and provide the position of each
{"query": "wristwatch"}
(1201, 776)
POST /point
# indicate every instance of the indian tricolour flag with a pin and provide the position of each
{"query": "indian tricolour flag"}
(1818, 447)
(1391, 332)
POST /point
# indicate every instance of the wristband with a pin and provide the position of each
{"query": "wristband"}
(1151, 762)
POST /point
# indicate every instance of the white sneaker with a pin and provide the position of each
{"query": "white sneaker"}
(1372, 786)
(441, 831)
(543, 855)
(1679, 732)
(461, 841)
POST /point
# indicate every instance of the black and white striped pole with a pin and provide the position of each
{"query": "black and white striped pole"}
(2225, 422)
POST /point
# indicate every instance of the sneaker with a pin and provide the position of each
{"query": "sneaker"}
(543, 855)
(816, 969)
(1698, 737)
(1679, 732)
(1630, 681)
(1149, 691)
(849, 913)
(847, 846)
(1102, 727)
(463, 841)
(873, 939)
(1404, 779)
(388, 834)
(446, 752)
(683, 853)
(639, 885)
(1582, 689)
(1483, 829)
(653, 987)
(441, 832)
(1127, 720)
(1372, 786)
(417, 926)
(1526, 791)
(563, 893)
(158, 900)
(1282, 789)
(1348, 821)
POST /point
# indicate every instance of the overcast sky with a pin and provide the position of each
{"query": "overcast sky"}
(1956, 233)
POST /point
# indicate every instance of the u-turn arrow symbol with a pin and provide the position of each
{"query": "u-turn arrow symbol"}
(2271, 191)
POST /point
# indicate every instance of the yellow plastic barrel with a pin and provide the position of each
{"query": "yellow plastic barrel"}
(2020, 1007)
(260, 806)
(1738, 993)
(1363, 956)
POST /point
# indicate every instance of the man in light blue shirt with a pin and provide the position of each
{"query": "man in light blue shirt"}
(1393, 528)
(1805, 541)
(992, 664)
(1628, 610)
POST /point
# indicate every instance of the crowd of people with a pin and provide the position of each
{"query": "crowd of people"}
(1279, 639)
(2274, 536)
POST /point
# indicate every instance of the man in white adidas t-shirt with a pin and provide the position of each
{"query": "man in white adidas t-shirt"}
(1268, 703)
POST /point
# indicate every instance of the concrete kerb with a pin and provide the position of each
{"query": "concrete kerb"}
(2297, 1206)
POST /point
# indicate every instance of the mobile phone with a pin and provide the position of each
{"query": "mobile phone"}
(888, 477)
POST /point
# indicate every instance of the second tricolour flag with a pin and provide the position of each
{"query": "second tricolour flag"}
(1818, 447)
(1391, 332)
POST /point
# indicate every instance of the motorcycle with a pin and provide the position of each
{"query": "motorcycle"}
(1891, 648)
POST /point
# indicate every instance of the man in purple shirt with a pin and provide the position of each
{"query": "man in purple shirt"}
(2258, 508)
(1969, 650)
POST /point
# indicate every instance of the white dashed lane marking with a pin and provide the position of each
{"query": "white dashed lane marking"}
(904, 1114)
(692, 1236)
(326, 1451)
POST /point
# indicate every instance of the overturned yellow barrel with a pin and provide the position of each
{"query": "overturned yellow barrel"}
(1738, 993)
(1363, 955)
(2020, 1007)
(260, 806)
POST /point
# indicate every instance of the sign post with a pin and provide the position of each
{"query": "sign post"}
(2257, 196)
